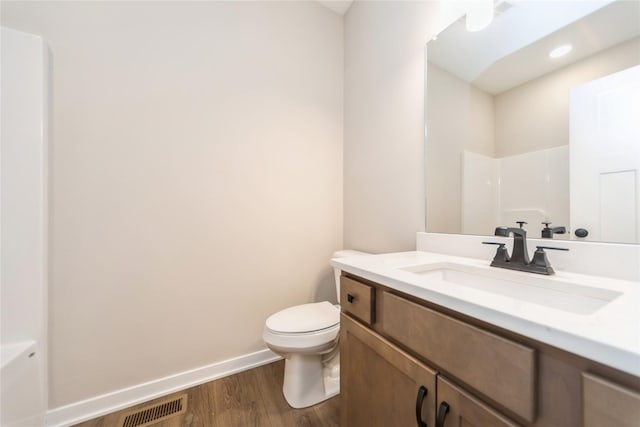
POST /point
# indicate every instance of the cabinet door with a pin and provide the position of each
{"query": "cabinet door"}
(457, 408)
(606, 404)
(380, 384)
(495, 367)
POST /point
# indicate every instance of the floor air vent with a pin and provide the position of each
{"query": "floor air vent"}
(155, 413)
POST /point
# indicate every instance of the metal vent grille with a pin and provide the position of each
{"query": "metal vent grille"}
(155, 413)
(501, 6)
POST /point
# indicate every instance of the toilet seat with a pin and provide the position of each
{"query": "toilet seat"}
(305, 318)
(303, 342)
(305, 328)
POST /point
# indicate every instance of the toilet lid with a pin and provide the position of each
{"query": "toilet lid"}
(304, 318)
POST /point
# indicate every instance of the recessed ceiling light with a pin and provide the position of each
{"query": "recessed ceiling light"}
(479, 14)
(560, 51)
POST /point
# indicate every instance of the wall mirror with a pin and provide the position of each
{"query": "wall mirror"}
(515, 133)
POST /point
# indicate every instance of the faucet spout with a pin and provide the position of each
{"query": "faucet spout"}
(520, 254)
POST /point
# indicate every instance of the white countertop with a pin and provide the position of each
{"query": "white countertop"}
(609, 335)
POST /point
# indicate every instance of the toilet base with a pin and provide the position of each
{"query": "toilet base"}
(308, 380)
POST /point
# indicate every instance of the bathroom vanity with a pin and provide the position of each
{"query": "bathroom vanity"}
(439, 338)
(431, 340)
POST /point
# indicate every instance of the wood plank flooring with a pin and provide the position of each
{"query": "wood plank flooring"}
(250, 398)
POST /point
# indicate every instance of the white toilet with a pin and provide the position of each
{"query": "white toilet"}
(307, 337)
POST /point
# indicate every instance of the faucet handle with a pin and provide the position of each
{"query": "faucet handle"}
(550, 247)
(540, 263)
(502, 256)
(521, 223)
(501, 245)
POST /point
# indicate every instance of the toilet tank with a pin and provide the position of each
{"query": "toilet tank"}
(336, 271)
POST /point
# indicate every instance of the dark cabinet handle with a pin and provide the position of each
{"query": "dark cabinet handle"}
(422, 393)
(442, 413)
(350, 297)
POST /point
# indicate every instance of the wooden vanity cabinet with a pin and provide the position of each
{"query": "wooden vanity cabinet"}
(394, 344)
(457, 408)
(380, 384)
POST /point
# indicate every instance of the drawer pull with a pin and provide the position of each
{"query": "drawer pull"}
(442, 413)
(422, 393)
(350, 298)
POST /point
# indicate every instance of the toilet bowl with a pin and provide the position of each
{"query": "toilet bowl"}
(307, 337)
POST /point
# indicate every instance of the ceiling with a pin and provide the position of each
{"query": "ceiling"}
(514, 48)
(339, 6)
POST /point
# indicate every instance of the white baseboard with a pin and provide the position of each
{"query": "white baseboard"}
(100, 405)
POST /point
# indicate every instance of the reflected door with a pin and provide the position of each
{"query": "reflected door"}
(605, 157)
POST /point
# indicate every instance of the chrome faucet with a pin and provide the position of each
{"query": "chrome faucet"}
(519, 259)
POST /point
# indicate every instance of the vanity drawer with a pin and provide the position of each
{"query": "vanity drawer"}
(502, 370)
(608, 404)
(357, 299)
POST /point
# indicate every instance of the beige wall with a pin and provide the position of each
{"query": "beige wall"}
(384, 123)
(535, 115)
(460, 117)
(196, 179)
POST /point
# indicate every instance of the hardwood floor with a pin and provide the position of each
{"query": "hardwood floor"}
(250, 398)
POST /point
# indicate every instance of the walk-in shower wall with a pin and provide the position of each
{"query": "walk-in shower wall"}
(23, 229)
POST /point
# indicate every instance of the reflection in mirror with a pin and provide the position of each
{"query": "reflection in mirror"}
(516, 135)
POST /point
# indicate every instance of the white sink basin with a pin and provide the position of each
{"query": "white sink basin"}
(527, 287)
